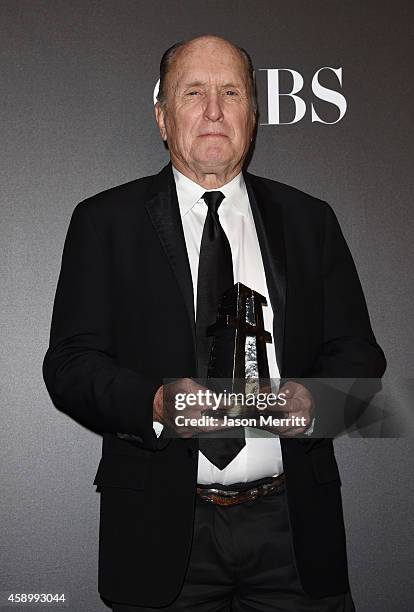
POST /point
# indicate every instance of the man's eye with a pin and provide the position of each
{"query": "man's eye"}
(193, 93)
(231, 92)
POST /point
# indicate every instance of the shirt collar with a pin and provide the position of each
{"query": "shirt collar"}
(189, 193)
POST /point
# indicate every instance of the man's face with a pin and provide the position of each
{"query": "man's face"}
(208, 118)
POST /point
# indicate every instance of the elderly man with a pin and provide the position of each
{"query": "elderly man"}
(187, 522)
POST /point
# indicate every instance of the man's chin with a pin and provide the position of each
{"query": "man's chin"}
(213, 164)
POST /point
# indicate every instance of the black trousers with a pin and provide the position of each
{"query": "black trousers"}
(242, 561)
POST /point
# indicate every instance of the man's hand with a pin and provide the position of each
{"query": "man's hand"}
(165, 409)
(299, 403)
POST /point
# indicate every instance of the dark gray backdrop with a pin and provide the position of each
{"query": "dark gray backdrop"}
(77, 80)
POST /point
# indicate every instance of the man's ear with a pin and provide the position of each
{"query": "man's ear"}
(254, 125)
(254, 122)
(160, 117)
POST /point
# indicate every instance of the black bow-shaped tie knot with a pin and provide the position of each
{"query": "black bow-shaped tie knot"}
(213, 199)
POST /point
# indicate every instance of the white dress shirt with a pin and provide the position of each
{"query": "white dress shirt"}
(261, 456)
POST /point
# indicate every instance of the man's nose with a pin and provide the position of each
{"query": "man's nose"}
(213, 110)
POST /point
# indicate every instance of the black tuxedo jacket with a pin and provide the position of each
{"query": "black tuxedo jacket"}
(123, 320)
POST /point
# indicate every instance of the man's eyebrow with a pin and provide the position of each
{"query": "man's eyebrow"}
(203, 83)
(193, 84)
(231, 84)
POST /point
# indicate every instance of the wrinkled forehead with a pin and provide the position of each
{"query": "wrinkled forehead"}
(197, 62)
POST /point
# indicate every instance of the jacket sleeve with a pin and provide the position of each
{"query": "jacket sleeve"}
(349, 349)
(80, 367)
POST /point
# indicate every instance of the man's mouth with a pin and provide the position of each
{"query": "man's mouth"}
(213, 135)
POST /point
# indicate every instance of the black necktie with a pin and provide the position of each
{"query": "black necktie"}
(215, 276)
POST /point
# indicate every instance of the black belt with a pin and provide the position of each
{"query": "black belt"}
(240, 492)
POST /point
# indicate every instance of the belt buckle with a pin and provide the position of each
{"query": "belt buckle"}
(222, 497)
(229, 498)
(211, 495)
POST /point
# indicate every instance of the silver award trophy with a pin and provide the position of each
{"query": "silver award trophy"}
(238, 359)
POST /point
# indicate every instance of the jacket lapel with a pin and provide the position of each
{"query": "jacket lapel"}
(267, 216)
(163, 209)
